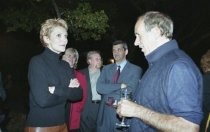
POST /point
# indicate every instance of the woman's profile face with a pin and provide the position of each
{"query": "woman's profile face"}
(57, 39)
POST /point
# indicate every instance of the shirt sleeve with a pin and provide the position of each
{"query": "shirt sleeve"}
(104, 84)
(183, 92)
(39, 86)
(63, 91)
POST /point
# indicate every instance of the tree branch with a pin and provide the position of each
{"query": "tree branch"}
(56, 9)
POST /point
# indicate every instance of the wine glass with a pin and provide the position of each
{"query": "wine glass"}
(126, 93)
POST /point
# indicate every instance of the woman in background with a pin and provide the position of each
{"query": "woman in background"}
(74, 110)
(205, 66)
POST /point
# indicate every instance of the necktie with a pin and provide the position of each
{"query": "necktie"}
(116, 75)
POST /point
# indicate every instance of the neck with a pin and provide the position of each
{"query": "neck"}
(119, 62)
(93, 68)
(161, 41)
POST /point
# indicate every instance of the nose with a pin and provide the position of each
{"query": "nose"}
(136, 42)
(114, 51)
(64, 39)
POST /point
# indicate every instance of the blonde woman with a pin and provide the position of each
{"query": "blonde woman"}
(51, 81)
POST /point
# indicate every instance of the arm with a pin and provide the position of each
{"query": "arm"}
(183, 94)
(104, 84)
(72, 94)
(70, 90)
(68, 87)
(131, 77)
(163, 122)
(39, 84)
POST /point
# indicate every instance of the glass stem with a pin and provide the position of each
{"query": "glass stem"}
(123, 120)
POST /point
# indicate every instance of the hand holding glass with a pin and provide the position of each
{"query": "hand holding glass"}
(126, 93)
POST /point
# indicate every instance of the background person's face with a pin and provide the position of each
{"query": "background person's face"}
(119, 53)
(70, 58)
(95, 61)
(57, 40)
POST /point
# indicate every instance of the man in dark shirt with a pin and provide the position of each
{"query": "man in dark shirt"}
(169, 96)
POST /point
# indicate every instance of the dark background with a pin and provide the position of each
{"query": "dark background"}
(191, 30)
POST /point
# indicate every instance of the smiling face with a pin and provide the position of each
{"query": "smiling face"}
(119, 52)
(57, 39)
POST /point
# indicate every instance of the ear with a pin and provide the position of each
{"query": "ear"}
(46, 39)
(88, 61)
(126, 51)
(156, 31)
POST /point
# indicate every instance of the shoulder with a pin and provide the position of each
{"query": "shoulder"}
(133, 66)
(109, 66)
(36, 60)
(83, 71)
(180, 59)
(183, 66)
(65, 64)
(177, 56)
(79, 73)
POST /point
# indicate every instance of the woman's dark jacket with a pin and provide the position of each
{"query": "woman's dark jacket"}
(46, 109)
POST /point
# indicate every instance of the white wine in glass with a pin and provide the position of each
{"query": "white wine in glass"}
(126, 93)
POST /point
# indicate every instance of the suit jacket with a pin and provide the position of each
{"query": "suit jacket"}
(90, 111)
(130, 75)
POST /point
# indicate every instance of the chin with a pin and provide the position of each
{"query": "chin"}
(62, 50)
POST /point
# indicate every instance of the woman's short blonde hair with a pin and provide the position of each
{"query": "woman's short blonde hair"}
(48, 25)
(205, 62)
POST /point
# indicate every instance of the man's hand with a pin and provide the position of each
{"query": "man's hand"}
(126, 108)
(123, 86)
(162, 122)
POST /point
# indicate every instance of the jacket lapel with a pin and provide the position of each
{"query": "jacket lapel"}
(123, 73)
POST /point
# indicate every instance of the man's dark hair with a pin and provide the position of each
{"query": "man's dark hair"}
(125, 46)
